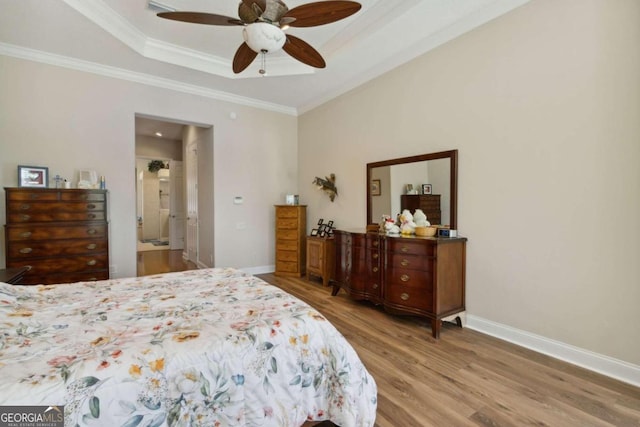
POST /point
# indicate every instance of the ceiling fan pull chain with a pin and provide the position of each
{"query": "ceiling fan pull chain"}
(263, 63)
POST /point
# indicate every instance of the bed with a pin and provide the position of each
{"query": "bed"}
(210, 347)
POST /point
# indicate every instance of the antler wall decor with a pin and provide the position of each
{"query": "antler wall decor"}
(328, 185)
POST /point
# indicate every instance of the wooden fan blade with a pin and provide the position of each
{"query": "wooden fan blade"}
(200, 18)
(243, 57)
(322, 12)
(303, 52)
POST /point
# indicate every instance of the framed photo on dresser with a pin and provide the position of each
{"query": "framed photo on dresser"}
(33, 176)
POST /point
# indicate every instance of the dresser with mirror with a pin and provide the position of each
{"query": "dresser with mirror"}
(406, 275)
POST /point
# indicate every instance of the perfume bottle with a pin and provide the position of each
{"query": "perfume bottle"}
(103, 184)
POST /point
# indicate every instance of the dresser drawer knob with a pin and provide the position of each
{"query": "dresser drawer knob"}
(375, 286)
(375, 269)
(404, 249)
(375, 256)
(25, 217)
(404, 278)
(375, 243)
(92, 262)
(26, 250)
(91, 216)
(91, 231)
(404, 263)
(404, 296)
(25, 234)
(91, 206)
(25, 207)
(92, 246)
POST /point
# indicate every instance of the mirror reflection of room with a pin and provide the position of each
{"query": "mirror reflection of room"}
(395, 197)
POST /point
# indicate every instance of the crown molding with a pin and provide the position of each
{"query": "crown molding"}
(136, 77)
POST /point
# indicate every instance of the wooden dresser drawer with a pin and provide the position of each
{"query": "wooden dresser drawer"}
(96, 196)
(40, 232)
(288, 212)
(410, 296)
(56, 194)
(283, 255)
(414, 262)
(88, 276)
(52, 216)
(287, 235)
(30, 207)
(411, 247)
(74, 264)
(287, 224)
(31, 249)
(287, 267)
(24, 194)
(408, 277)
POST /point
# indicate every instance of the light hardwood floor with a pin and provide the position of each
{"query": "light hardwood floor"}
(163, 261)
(464, 379)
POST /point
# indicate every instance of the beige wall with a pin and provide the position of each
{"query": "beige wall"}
(67, 120)
(151, 147)
(543, 105)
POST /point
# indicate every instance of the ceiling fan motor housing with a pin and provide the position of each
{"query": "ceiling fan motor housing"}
(262, 36)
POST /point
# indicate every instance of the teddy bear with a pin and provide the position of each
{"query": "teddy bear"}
(420, 219)
(390, 226)
(407, 225)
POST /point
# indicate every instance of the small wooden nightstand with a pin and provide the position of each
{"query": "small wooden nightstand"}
(321, 258)
(13, 275)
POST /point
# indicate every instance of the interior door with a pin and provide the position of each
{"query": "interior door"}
(191, 167)
(176, 203)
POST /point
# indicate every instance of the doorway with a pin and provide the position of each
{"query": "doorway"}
(164, 194)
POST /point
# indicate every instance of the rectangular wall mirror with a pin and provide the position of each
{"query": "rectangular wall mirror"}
(389, 180)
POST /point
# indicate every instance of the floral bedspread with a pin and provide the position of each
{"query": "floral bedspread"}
(213, 347)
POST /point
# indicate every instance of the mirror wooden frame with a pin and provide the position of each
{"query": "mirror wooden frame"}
(452, 155)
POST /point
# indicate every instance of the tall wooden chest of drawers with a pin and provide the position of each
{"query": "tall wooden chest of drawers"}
(62, 234)
(428, 203)
(291, 231)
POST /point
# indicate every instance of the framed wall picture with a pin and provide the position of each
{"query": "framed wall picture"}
(375, 187)
(33, 176)
(426, 189)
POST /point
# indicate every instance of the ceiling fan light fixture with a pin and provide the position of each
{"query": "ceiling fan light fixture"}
(261, 36)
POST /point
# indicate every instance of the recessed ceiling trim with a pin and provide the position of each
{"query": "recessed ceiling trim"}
(136, 77)
(109, 20)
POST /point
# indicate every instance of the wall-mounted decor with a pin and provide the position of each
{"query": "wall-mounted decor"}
(328, 185)
(426, 189)
(375, 187)
(33, 176)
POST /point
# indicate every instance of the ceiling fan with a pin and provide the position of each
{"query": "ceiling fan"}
(264, 22)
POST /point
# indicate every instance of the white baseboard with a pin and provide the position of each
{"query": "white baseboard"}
(259, 270)
(605, 365)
